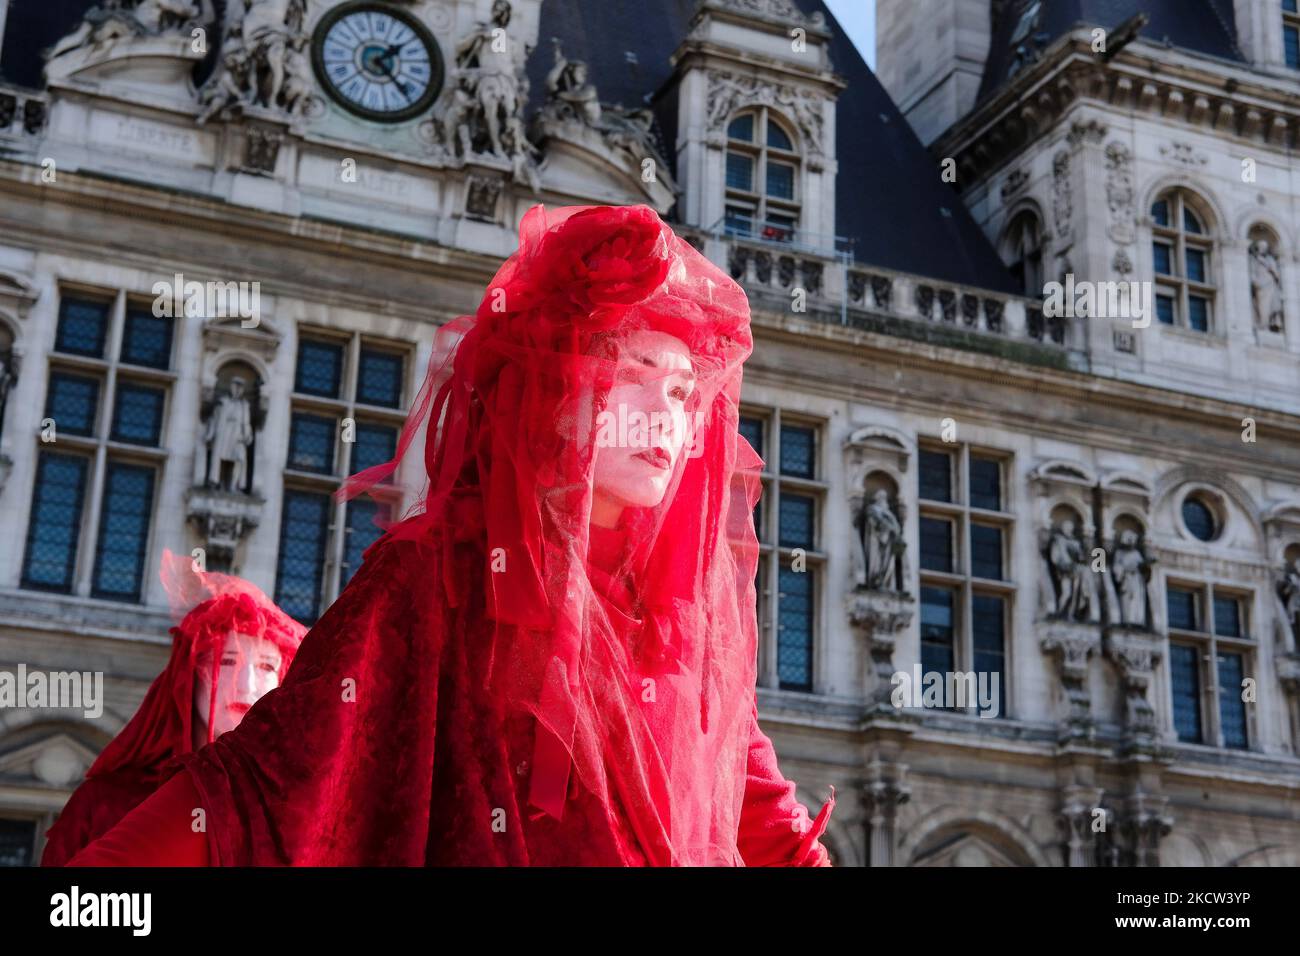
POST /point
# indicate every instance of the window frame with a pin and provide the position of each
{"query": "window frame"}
(1178, 284)
(101, 450)
(757, 204)
(773, 556)
(1209, 644)
(345, 406)
(962, 581)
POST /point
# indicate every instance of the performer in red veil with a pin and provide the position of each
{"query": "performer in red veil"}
(553, 660)
(231, 645)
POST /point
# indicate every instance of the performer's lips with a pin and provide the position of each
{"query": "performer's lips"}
(240, 708)
(656, 457)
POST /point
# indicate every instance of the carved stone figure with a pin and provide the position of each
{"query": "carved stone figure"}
(1128, 569)
(568, 94)
(1068, 571)
(1288, 589)
(115, 19)
(488, 58)
(263, 60)
(228, 434)
(1266, 286)
(882, 542)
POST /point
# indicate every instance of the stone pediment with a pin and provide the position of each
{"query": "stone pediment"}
(59, 760)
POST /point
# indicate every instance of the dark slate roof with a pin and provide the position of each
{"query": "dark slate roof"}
(1205, 26)
(890, 198)
(33, 26)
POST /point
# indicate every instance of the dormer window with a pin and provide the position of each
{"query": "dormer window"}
(1022, 250)
(762, 177)
(1181, 249)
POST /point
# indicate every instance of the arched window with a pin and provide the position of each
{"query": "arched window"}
(762, 177)
(1022, 250)
(1180, 250)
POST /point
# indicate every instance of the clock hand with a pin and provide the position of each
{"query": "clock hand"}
(388, 72)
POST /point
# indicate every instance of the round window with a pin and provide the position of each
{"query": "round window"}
(1199, 519)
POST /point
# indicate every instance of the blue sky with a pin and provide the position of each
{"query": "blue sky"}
(858, 18)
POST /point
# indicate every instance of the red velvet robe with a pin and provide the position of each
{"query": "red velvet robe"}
(382, 749)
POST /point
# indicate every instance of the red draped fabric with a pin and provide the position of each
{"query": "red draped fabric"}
(503, 682)
(208, 606)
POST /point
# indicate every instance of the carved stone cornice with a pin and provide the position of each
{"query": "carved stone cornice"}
(1144, 822)
(1138, 79)
(222, 519)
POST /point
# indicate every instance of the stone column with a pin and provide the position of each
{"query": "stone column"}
(885, 790)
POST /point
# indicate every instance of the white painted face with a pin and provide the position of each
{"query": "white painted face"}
(249, 667)
(644, 426)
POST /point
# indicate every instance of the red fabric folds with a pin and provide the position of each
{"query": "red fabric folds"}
(208, 607)
(551, 660)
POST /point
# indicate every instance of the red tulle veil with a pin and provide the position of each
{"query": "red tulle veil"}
(644, 690)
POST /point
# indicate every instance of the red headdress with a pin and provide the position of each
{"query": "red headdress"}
(208, 606)
(638, 664)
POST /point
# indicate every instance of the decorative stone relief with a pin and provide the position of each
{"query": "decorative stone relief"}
(1120, 194)
(264, 61)
(728, 92)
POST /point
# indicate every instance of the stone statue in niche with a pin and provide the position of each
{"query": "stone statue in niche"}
(228, 435)
(568, 94)
(1067, 568)
(1266, 286)
(1129, 570)
(882, 543)
(1288, 589)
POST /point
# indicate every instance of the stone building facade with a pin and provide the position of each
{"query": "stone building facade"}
(957, 480)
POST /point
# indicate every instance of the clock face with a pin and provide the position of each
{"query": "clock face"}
(377, 61)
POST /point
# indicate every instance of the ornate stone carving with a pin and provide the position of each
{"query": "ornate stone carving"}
(1090, 131)
(1120, 194)
(1288, 589)
(780, 10)
(1144, 823)
(488, 92)
(884, 791)
(227, 435)
(1075, 820)
(264, 61)
(880, 617)
(1062, 199)
(115, 20)
(728, 92)
(261, 148)
(568, 94)
(222, 520)
(1130, 573)
(1014, 183)
(1183, 153)
(481, 195)
(1135, 654)
(1073, 593)
(1071, 644)
(1266, 286)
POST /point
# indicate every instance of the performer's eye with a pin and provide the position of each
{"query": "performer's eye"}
(269, 668)
(229, 660)
(681, 393)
